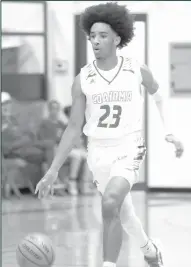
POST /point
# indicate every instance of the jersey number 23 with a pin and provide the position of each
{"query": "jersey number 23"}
(116, 111)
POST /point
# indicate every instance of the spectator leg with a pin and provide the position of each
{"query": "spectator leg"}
(86, 181)
(30, 186)
(75, 165)
(12, 184)
(7, 190)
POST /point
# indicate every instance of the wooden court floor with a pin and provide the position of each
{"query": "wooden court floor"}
(74, 224)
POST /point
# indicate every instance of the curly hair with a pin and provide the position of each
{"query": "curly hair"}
(117, 16)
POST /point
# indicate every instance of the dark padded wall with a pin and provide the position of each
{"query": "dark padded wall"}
(24, 87)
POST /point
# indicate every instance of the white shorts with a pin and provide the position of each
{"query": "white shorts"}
(116, 158)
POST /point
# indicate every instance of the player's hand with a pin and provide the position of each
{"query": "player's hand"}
(179, 149)
(45, 185)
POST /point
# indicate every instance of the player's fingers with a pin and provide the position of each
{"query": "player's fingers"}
(47, 190)
(179, 153)
(37, 188)
(39, 194)
(41, 191)
(179, 150)
(41, 186)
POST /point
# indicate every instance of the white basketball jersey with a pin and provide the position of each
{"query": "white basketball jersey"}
(114, 102)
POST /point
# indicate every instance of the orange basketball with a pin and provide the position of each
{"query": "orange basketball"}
(35, 250)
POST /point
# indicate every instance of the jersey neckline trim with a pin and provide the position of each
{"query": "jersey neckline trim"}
(109, 82)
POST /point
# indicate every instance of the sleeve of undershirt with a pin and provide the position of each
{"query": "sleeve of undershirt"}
(148, 80)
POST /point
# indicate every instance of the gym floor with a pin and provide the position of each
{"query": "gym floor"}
(74, 224)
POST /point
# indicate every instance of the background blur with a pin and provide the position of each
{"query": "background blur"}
(43, 50)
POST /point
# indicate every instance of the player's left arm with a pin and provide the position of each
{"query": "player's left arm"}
(153, 89)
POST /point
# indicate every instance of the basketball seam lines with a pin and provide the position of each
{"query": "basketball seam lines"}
(39, 250)
(30, 259)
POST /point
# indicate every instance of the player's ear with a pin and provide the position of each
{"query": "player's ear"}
(117, 40)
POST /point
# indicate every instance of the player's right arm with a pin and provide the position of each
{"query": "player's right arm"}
(69, 138)
(74, 128)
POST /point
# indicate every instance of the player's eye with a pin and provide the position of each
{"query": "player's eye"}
(91, 37)
(103, 36)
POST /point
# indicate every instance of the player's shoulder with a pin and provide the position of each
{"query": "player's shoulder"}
(88, 71)
(135, 64)
(77, 85)
(130, 63)
(88, 67)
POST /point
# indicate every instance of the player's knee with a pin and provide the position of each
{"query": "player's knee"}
(110, 207)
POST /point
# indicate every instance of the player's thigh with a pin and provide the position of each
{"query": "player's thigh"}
(128, 164)
(100, 179)
(100, 167)
(124, 168)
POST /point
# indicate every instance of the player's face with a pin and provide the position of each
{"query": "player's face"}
(103, 39)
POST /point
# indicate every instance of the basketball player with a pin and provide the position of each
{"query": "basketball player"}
(107, 91)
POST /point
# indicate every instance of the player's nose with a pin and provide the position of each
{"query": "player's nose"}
(96, 41)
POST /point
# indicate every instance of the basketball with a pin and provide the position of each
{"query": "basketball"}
(35, 250)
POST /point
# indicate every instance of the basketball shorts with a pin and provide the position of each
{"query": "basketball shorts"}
(117, 158)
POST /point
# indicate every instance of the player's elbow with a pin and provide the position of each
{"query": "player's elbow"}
(76, 126)
(157, 96)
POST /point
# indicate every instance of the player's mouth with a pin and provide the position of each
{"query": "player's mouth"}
(96, 49)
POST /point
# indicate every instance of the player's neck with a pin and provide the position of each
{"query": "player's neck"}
(107, 63)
